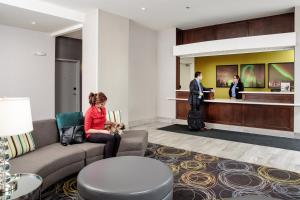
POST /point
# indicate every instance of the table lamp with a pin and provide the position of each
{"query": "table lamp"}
(15, 119)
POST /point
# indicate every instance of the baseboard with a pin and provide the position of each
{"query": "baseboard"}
(166, 120)
(150, 121)
(244, 129)
(141, 122)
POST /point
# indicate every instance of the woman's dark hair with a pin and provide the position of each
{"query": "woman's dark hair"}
(197, 74)
(237, 77)
(96, 98)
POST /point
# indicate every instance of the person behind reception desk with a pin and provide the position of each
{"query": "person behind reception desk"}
(236, 87)
(196, 96)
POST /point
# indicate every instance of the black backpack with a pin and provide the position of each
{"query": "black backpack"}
(195, 119)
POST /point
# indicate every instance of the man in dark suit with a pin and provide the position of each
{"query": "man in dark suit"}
(196, 96)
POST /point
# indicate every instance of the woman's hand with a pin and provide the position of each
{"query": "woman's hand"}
(108, 123)
(98, 131)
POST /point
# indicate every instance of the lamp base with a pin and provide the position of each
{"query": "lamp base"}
(8, 182)
(9, 187)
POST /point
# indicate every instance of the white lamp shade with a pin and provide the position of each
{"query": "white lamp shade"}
(15, 116)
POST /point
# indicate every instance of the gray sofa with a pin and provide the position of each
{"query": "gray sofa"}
(53, 162)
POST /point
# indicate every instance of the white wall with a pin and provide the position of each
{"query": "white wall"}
(114, 61)
(142, 73)
(186, 72)
(185, 76)
(297, 72)
(119, 59)
(24, 74)
(90, 57)
(166, 74)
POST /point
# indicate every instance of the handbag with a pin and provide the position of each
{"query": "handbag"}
(72, 135)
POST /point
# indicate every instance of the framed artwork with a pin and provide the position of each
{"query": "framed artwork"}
(253, 75)
(280, 72)
(225, 75)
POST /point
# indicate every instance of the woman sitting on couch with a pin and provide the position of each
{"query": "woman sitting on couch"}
(94, 125)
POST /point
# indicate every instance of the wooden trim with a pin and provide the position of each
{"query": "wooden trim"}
(178, 87)
(179, 40)
(179, 36)
(259, 26)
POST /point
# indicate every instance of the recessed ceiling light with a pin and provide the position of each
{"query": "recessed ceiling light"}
(33, 23)
(143, 8)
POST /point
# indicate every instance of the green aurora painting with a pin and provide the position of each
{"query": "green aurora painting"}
(253, 75)
(280, 72)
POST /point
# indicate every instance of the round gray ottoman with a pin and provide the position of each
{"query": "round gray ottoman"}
(126, 178)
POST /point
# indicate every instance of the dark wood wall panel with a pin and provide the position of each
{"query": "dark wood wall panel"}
(182, 109)
(232, 30)
(257, 116)
(199, 35)
(224, 113)
(271, 117)
(260, 26)
(250, 115)
(179, 40)
(182, 95)
(272, 25)
(282, 24)
(276, 98)
(178, 73)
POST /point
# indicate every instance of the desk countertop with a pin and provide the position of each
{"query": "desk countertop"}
(255, 92)
(237, 101)
(189, 91)
(249, 92)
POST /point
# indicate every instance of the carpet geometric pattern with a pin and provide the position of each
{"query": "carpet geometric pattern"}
(199, 176)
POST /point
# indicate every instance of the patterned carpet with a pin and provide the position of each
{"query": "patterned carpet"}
(199, 176)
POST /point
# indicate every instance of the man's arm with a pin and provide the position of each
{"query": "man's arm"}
(204, 88)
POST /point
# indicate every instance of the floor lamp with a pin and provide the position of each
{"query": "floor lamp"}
(15, 119)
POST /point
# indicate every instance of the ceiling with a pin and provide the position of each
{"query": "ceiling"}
(23, 18)
(158, 14)
(76, 34)
(162, 14)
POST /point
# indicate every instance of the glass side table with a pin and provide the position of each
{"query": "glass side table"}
(28, 187)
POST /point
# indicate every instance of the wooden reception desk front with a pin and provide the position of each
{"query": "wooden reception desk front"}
(270, 110)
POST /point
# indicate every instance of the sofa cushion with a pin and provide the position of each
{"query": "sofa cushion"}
(47, 160)
(44, 132)
(20, 144)
(68, 119)
(91, 149)
(114, 116)
(133, 140)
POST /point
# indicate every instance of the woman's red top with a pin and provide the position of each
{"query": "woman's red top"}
(94, 119)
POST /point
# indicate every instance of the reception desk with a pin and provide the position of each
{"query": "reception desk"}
(270, 110)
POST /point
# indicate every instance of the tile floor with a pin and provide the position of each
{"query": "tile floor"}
(261, 155)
